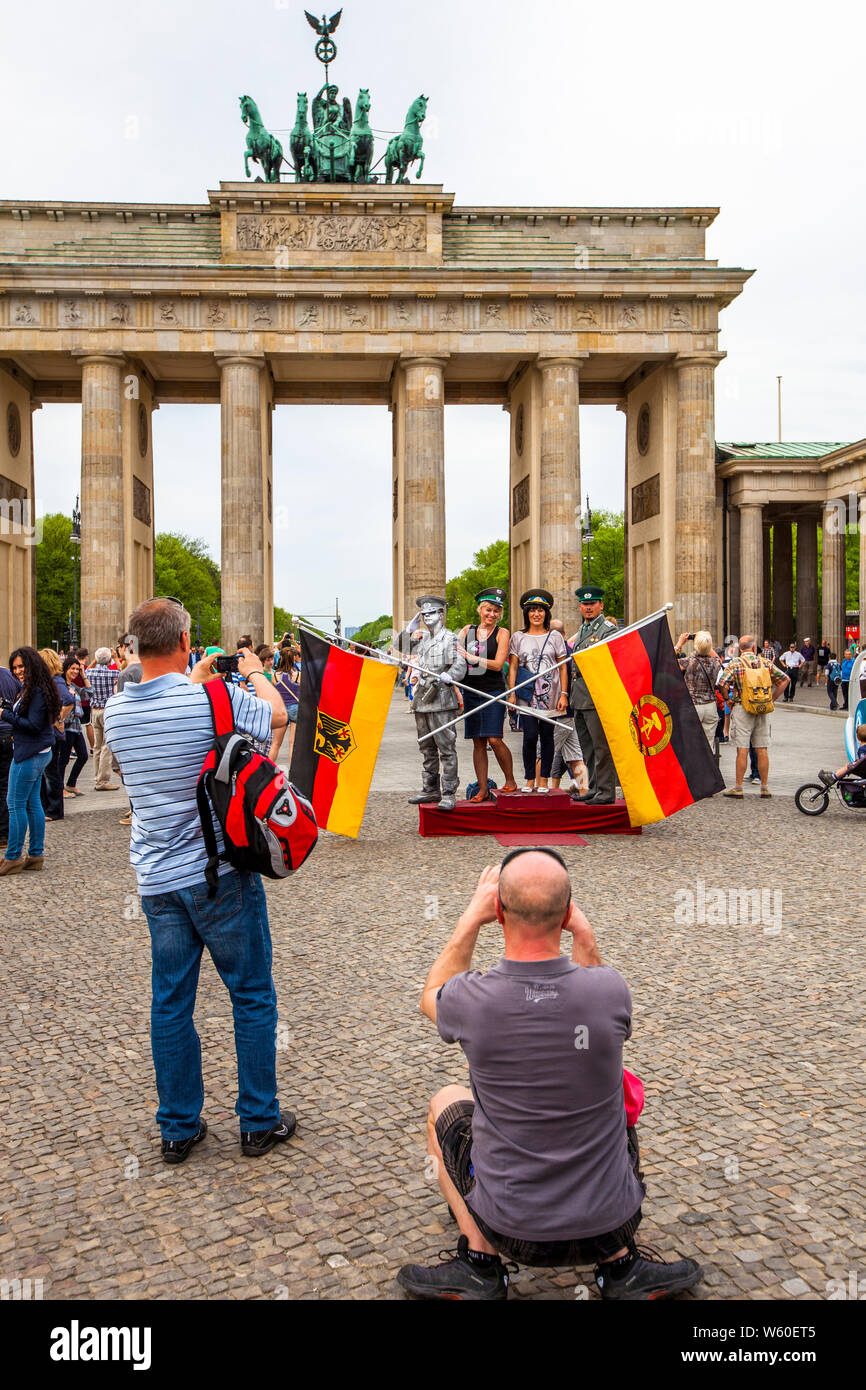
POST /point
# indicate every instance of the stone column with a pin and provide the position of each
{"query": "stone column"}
(732, 617)
(751, 571)
(696, 600)
(423, 436)
(833, 575)
(783, 582)
(560, 556)
(807, 578)
(242, 556)
(103, 519)
(767, 629)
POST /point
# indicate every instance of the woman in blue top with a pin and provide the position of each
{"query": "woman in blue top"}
(32, 717)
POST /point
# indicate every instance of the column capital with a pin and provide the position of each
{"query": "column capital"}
(698, 359)
(424, 359)
(239, 359)
(561, 359)
(100, 359)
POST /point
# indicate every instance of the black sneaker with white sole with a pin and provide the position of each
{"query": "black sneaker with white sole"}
(261, 1141)
(648, 1277)
(178, 1150)
(459, 1277)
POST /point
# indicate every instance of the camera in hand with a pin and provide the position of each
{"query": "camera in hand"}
(226, 664)
(691, 637)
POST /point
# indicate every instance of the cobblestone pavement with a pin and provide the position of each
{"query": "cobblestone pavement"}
(749, 1039)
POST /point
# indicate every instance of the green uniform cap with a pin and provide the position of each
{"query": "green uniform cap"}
(491, 596)
(589, 593)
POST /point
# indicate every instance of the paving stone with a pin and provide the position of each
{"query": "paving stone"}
(743, 1041)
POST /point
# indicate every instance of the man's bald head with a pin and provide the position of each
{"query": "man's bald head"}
(534, 890)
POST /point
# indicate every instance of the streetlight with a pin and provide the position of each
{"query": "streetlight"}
(588, 539)
(75, 540)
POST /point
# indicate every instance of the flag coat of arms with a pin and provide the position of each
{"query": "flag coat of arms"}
(342, 709)
(663, 760)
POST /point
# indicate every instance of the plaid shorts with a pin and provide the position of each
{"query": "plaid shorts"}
(454, 1132)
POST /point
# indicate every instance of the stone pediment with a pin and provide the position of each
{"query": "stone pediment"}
(306, 224)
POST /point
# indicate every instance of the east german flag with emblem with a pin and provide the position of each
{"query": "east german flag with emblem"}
(342, 709)
(662, 757)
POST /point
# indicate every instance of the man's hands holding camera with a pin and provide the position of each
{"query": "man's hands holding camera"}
(481, 907)
(584, 950)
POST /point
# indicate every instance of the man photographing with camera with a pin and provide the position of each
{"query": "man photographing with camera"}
(535, 1160)
(160, 730)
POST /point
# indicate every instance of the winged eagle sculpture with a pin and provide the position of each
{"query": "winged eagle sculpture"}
(322, 27)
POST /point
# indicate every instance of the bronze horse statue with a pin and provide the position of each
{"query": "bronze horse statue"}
(405, 148)
(362, 139)
(262, 147)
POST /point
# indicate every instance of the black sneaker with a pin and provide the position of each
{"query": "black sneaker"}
(458, 1277)
(178, 1150)
(261, 1141)
(648, 1278)
(828, 778)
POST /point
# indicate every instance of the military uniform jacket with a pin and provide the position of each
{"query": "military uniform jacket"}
(438, 652)
(590, 633)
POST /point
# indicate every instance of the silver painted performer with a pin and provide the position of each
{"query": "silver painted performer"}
(435, 702)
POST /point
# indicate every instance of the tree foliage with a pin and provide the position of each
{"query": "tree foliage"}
(378, 630)
(606, 565)
(54, 582)
(184, 569)
(488, 570)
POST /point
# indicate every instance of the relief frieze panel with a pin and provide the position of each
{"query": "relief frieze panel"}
(318, 231)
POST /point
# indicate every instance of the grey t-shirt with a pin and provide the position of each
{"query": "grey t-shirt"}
(544, 1044)
(129, 673)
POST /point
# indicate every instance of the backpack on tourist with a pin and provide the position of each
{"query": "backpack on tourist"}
(268, 827)
(756, 690)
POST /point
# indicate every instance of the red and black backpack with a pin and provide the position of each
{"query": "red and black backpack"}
(268, 827)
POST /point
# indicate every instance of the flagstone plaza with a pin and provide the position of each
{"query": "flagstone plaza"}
(744, 1036)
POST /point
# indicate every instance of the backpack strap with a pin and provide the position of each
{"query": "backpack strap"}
(211, 873)
(223, 716)
(221, 707)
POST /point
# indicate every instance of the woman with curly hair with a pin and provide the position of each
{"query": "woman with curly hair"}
(32, 717)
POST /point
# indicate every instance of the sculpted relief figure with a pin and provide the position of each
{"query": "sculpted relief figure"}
(331, 233)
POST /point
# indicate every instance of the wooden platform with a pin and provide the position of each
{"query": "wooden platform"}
(528, 818)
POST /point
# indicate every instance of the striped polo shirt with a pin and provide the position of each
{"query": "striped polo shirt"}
(160, 731)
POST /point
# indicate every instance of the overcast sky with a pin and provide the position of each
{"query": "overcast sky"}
(754, 107)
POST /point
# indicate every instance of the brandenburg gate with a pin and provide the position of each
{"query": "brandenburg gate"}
(377, 294)
(336, 288)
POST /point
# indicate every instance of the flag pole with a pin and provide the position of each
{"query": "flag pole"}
(395, 661)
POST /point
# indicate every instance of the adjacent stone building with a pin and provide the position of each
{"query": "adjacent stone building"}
(771, 493)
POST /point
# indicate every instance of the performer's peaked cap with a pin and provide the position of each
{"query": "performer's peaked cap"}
(491, 596)
(532, 597)
(429, 603)
(589, 593)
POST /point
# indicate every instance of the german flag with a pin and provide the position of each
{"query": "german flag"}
(343, 705)
(663, 760)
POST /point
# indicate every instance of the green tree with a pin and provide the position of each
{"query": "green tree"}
(185, 570)
(54, 581)
(283, 622)
(607, 560)
(371, 633)
(489, 569)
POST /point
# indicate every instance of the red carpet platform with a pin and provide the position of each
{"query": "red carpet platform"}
(527, 818)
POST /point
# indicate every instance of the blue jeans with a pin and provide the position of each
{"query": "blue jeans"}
(234, 927)
(25, 805)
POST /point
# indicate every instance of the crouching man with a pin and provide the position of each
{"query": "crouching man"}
(535, 1160)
